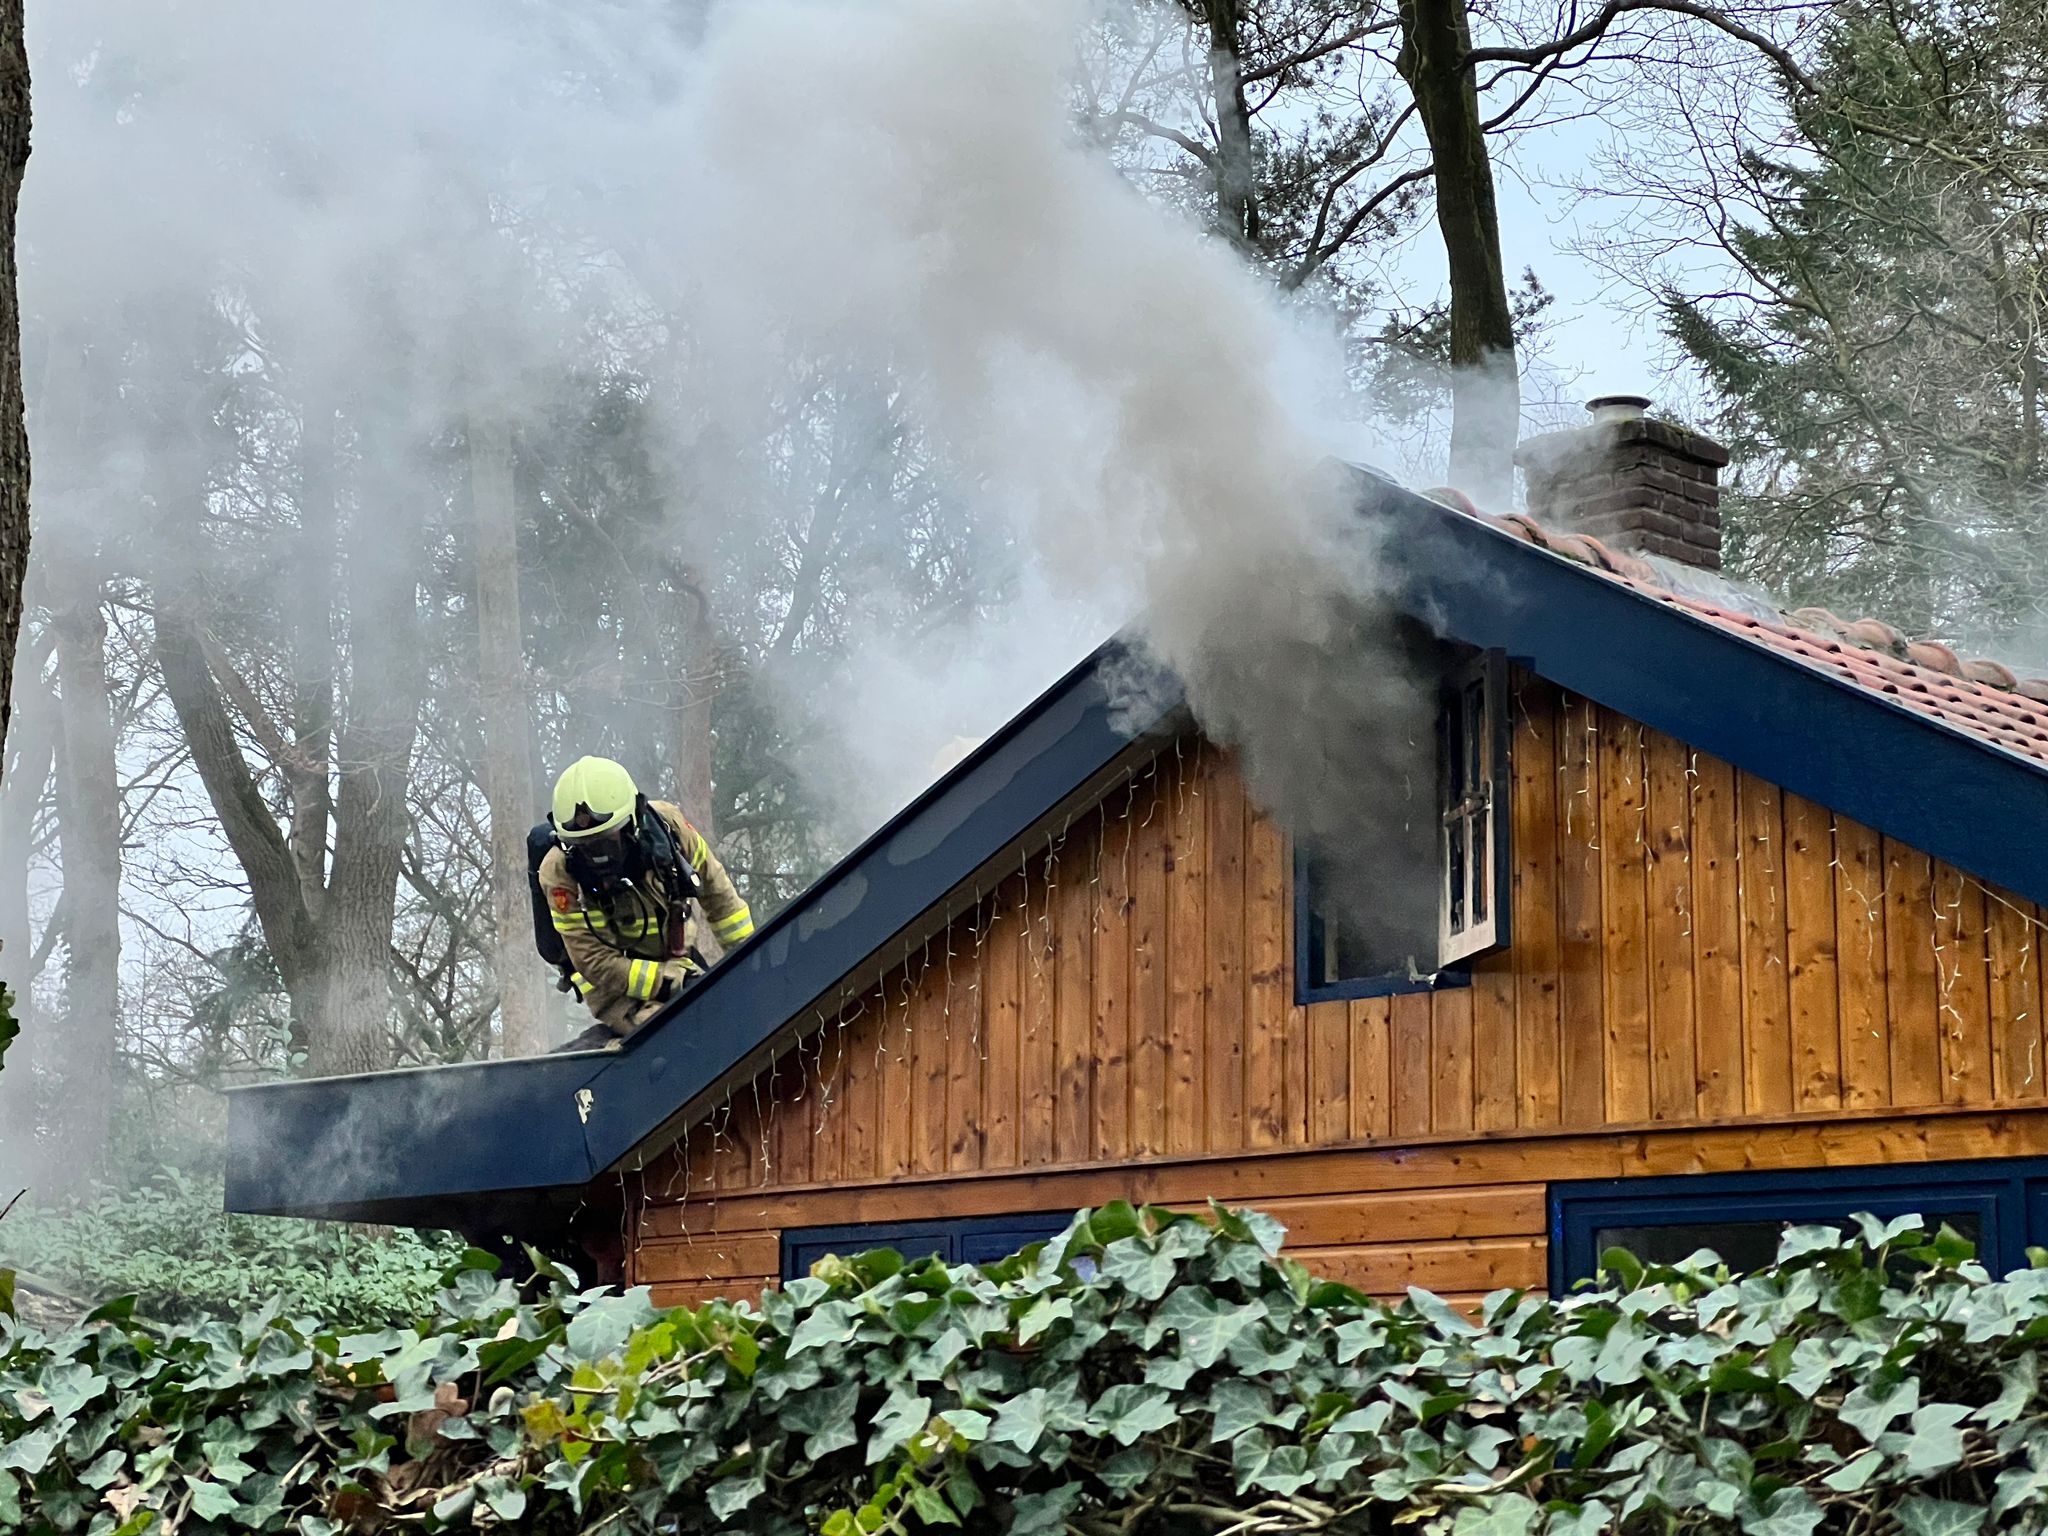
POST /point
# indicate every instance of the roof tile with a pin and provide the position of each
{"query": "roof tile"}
(1978, 696)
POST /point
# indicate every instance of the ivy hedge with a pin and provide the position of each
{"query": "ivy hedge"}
(1145, 1372)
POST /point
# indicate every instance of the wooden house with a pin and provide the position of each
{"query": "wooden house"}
(1736, 921)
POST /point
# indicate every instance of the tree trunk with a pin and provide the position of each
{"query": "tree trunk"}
(14, 482)
(89, 836)
(309, 779)
(1237, 207)
(33, 742)
(289, 932)
(508, 736)
(353, 1016)
(1485, 390)
(695, 685)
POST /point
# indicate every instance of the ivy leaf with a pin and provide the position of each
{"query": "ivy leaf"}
(1510, 1514)
(1445, 1317)
(505, 1499)
(210, 1501)
(835, 1322)
(1021, 1421)
(900, 1417)
(2018, 1382)
(1934, 1443)
(1788, 1512)
(1042, 1314)
(1138, 1268)
(728, 1496)
(1047, 1511)
(825, 1417)
(1206, 1326)
(1127, 1471)
(1869, 1410)
(1236, 1406)
(1127, 1412)
(1921, 1516)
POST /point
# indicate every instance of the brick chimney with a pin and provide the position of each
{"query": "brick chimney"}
(1633, 482)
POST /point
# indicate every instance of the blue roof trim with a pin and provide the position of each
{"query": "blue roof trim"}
(507, 1141)
(414, 1147)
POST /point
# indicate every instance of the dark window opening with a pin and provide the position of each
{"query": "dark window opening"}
(970, 1240)
(1402, 909)
(1999, 1205)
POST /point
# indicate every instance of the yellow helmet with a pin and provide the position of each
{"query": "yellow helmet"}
(597, 790)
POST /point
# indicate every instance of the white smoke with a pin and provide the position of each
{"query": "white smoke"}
(742, 190)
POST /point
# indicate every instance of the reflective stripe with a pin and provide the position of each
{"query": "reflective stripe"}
(567, 922)
(583, 988)
(699, 854)
(735, 926)
(643, 978)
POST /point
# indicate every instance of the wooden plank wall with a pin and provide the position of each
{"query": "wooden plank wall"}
(1691, 946)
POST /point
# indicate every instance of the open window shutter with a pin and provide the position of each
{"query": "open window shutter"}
(1473, 788)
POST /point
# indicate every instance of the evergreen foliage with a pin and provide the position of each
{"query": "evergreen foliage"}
(1142, 1372)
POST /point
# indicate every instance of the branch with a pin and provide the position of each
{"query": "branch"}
(1157, 130)
(1592, 31)
(251, 830)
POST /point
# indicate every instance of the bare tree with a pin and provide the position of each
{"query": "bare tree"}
(505, 687)
(14, 464)
(89, 832)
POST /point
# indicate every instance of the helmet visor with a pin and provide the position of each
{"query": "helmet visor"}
(597, 842)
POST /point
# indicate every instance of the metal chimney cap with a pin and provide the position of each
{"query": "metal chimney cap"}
(1607, 408)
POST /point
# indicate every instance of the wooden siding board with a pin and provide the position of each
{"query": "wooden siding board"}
(2015, 997)
(1038, 1053)
(1408, 1032)
(1581, 984)
(929, 1041)
(791, 1094)
(1073, 944)
(1912, 989)
(1674, 1067)
(1111, 1063)
(1451, 1081)
(1371, 1069)
(1533, 963)
(1388, 1269)
(1149, 959)
(1002, 963)
(1860, 960)
(1962, 987)
(1812, 979)
(1187, 916)
(1854, 1139)
(966, 1041)
(1721, 1044)
(1329, 1068)
(898, 1075)
(1224, 1053)
(1624, 890)
(1768, 1057)
(1272, 1045)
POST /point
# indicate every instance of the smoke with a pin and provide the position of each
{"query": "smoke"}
(413, 213)
(902, 180)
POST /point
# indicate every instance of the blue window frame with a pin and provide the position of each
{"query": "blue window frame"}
(1457, 838)
(2000, 1204)
(968, 1240)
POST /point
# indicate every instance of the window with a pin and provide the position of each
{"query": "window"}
(1999, 1205)
(1473, 780)
(971, 1240)
(1433, 900)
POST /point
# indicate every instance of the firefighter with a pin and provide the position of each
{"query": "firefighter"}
(618, 884)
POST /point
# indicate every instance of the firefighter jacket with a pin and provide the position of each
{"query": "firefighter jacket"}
(624, 948)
